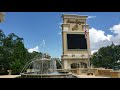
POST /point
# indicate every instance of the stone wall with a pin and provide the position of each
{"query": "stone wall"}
(96, 71)
(115, 74)
(103, 72)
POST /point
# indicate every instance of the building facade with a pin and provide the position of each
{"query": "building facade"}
(75, 42)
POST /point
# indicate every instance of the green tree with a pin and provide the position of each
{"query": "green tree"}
(12, 50)
(4, 52)
(14, 55)
(106, 57)
(2, 37)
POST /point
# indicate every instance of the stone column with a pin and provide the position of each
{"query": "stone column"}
(65, 64)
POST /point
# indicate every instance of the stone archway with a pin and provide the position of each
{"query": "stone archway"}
(83, 65)
(75, 65)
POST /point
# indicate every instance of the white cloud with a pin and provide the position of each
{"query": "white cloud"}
(115, 29)
(98, 38)
(98, 35)
(33, 49)
(93, 51)
(89, 17)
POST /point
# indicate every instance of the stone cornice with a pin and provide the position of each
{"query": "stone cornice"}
(68, 16)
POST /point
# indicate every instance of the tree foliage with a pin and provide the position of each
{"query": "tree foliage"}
(106, 57)
(14, 55)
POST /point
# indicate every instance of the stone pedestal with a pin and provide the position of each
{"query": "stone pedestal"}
(96, 72)
(78, 71)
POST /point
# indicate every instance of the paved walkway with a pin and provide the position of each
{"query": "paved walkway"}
(89, 76)
(9, 76)
(79, 76)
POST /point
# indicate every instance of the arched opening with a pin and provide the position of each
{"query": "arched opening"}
(83, 65)
(75, 65)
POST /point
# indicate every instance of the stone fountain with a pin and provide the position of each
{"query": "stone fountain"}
(43, 68)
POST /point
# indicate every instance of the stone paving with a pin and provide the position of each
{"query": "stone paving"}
(9, 76)
(90, 76)
(79, 76)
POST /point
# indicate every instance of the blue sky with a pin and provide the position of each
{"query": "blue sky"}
(41, 30)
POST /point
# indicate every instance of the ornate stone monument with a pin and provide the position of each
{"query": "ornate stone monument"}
(75, 41)
(2, 16)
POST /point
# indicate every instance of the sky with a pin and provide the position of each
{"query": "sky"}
(42, 30)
